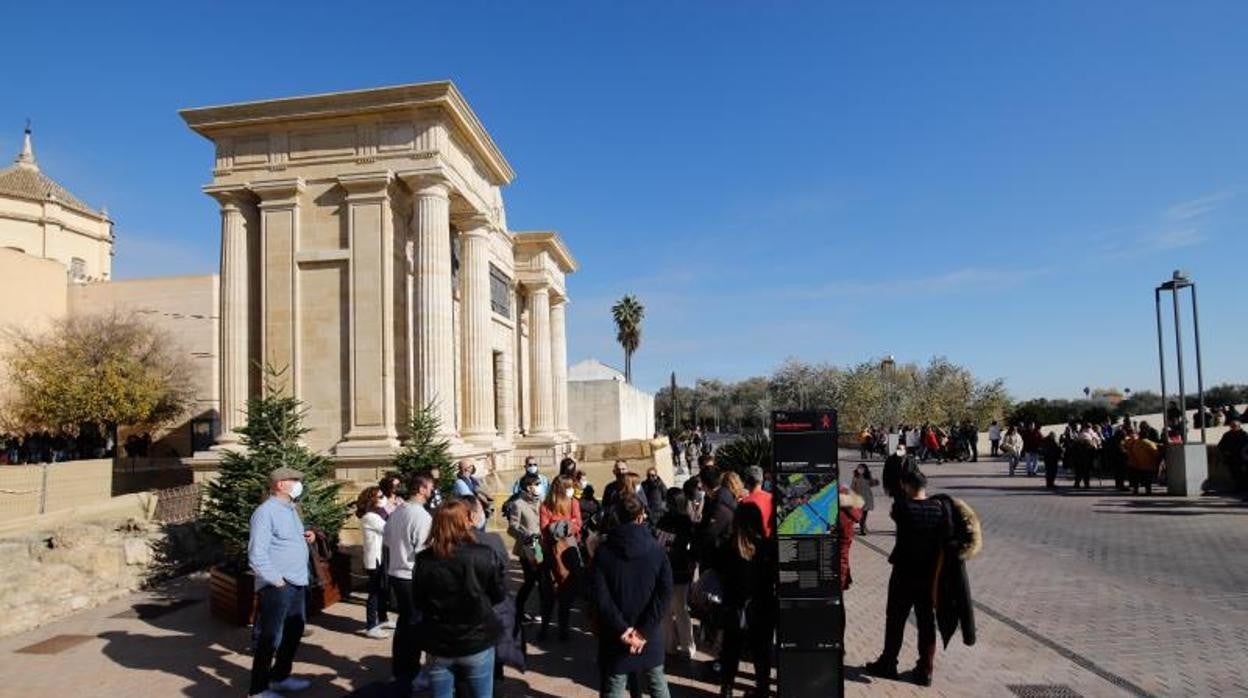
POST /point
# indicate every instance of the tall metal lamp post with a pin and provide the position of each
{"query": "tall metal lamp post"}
(1187, 463)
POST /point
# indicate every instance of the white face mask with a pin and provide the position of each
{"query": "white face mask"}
(530, 468)
(568, 492)
(296, 489)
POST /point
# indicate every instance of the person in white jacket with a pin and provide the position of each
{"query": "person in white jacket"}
(369, 507)
(1012, 447)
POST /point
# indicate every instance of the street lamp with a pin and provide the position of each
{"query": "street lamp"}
(1176, 283)
(1187, 465)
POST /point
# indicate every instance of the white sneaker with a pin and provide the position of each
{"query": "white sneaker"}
(289, 683)
(266, 694)
(389, 625)
(377, 632)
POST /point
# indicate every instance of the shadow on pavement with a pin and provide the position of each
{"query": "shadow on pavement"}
(200, 650)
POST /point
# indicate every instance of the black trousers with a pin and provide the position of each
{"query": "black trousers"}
(405, 659)
(974, 443)
(280, 620)
(532, 577)
(910, 588)
(996, 445)
(758, 633)
(1050, 472)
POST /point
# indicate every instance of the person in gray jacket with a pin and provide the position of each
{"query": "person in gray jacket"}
(405, 535)
(524, 526)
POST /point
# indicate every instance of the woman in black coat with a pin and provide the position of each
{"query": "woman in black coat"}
(631, 587)
(744, 564)
(460, 582)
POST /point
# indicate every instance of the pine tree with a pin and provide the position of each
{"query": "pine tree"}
(271, 438)
(424, 450)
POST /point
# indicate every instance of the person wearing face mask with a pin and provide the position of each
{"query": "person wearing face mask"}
(277, 552)
(524, 525)
(368, 508)
(530, 468)
(655, 494)
(560, 519)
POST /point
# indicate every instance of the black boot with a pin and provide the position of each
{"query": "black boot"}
(880, 669)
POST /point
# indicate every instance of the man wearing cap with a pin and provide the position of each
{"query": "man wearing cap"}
(277, 552)
(759, 497)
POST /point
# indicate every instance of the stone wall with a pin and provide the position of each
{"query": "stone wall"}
(609, 411)
(45, 576)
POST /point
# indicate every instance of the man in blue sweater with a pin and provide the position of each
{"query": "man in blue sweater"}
(278, 555)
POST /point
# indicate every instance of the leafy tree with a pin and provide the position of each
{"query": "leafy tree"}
(271, 439)
(628, 313)
(95, 372)
(425, 450)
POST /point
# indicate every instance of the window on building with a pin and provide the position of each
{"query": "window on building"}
(500, 292)
(78, 269)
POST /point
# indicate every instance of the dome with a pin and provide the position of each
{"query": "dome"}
(24, 180)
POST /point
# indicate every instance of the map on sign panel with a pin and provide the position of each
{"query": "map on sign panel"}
(807, 503)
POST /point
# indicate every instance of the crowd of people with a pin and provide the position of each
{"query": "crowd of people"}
(956, 442)
(661, 572)
(59, 447)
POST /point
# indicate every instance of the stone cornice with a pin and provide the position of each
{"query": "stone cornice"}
(366, 183)
(59, 222)
(229, 194)
(207, 121)
(276, 192)
(546, 241)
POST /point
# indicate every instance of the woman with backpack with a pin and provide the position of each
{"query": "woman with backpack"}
(560, 520)
(675, 533)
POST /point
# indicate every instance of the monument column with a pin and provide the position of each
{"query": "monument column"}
(539, 353)
(234, 301)
(433, 337)
(559, 363)
(370, 237)
(478, 357)
(279, 314)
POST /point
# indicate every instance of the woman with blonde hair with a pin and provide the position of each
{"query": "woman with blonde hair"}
(460, 582)
(560, 520)
(733, 482)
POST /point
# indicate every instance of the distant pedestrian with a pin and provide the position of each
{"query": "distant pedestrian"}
(1143, 459)
(862, 485)
(994, 437)
(1233, 450)
(530, 468)
(1051, 450)
(894, 465)
(1012, 447)
(631, 589)
(277, 551)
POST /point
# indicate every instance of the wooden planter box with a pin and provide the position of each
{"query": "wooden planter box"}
(233, 598)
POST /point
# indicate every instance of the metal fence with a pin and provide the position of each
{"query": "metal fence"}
(178, 504)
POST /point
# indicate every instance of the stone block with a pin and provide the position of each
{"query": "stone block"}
(137, 551)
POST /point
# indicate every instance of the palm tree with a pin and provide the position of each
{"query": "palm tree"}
(628, 313)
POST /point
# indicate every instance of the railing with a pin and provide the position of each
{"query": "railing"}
(178, 504)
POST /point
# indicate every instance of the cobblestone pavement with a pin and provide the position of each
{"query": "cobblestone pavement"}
(1103, 592)
(1096, 593)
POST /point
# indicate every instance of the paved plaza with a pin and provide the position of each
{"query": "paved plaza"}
(1078, 593)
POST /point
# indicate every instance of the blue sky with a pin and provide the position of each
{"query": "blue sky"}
(1000, 183)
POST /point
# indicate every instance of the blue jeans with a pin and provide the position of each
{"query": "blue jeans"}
(1032, 461)
(279, 619)
(653, 682)
(476, 671)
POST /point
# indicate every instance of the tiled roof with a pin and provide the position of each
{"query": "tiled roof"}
(24, 182)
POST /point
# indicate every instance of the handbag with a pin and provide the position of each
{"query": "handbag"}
(706, 596)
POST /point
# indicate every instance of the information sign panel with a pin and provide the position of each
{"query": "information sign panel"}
(811, 623)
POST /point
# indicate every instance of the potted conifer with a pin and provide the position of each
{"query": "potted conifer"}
(270, 439)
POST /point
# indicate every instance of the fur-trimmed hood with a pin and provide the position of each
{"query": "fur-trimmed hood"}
(973, 539)
(850, 499)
